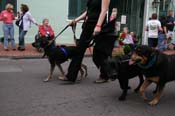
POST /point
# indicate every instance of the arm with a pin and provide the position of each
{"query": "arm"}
(42, 31)
(81, 17)
(13, 16)
(104, 9)
(51, 32)
(32, 19)
(146, 28)
(160, 26)
(0, 17)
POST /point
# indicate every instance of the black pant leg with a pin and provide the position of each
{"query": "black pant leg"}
(75, 65)
(85, 39)
(102, 50)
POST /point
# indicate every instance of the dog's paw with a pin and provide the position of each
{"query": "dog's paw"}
(46, 80)
(122, 98)
(153, 102)
(81, 78)
(61, 77)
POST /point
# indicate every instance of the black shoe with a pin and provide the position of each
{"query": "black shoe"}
(19, 48)
(22, 49)
(6, 49)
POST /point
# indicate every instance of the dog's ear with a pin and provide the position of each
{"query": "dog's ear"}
(143, 50)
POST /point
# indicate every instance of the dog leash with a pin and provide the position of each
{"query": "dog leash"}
(60, 32)
(50, 42)
(74, 33)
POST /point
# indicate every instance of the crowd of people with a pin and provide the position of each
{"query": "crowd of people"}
(96, 26)
(23, 21)
(161, 32)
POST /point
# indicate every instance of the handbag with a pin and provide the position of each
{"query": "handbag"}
(19, 19)
(17, 22)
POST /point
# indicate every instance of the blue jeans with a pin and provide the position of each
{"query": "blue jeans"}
(8, 30)
(22, 33)
(161, 43)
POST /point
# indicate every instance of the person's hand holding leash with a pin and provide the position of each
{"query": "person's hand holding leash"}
(72, 23)
(97, 30)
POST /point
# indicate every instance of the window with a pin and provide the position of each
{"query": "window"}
(76, 7)
(4, 2)
(164, 5)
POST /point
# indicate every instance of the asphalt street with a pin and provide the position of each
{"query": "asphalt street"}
(23, 93)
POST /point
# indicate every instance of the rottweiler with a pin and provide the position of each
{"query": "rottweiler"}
(158, 67)
(57, 55)
(118, 68)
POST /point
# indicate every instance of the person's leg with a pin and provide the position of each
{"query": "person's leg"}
(108, 48)
(161, 42)
(103, 50)
(96, 57)
(155, 42)
(12, 37)
(21, 39)
(75, 64)
(101, 57)
(149, 42)
(6, 33)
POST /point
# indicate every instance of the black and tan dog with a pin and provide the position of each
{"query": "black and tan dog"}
(157, 67)
(118, 68)
(58, 55)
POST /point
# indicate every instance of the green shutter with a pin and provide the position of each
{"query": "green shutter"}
(76, 7)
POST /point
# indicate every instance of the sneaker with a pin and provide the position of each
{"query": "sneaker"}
(101, 81)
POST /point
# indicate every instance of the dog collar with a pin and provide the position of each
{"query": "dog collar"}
(150, 64)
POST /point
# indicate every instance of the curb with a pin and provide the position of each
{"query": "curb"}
(30, 57)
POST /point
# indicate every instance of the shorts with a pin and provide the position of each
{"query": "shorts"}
(152, 42)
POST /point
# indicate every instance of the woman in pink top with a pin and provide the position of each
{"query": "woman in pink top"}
(7, 16)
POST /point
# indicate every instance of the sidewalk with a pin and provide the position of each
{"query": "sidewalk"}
(30, 52)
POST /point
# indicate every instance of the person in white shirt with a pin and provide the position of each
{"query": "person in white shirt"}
(25, 22)
(153, 27)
